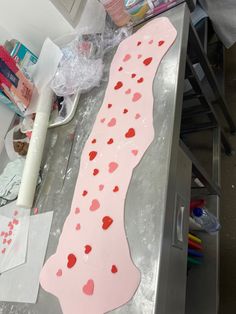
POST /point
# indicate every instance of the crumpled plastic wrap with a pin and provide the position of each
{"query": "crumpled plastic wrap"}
(81, 67)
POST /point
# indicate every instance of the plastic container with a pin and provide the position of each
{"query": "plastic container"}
(206, 220)
(136, 8)
(116, 10)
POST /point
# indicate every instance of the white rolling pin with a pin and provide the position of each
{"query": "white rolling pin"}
(35, 151)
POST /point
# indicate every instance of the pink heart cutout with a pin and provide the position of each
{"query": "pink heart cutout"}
(139, 56)
(102, 120)
(113, 166)
(78, 227)
(128, 91)
(101, 187)
(134, 152)
(112, 122)
(127, 57)
(59, 273)
(89, 287)
(137, 116)
(136, 97)
(95, 205)
(77, 210)
(4, 250)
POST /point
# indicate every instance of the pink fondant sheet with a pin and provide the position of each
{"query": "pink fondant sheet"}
(92, 271)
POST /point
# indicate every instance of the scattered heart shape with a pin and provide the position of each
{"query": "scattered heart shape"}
(120, 69)
(3, 251)
(87, 249)
(130, 133)
(94, 141)
(5, 235)
(118, 85)
(127, 57)
(107, 222)
(133, 75)
(136, 97)
(109, 106)
(88, 289)
(114, 269)
(112, 166)
(71, 260)
(138, 43)
(147, 61)
(150, 42)
(112, 122)
(103, 120)
(140, 80)
(92, 155)
(15, 221)
(101, 187)
(128, 91)
(95, 172)
(160, 43)
(125, 111)
(134, 152)
(9, 241)
(11, 227)
(78, 227)
(140, 56)
(4, 241)
(116, 189)
(95, 205)
(59, 273)
(84, 193)
(77, 210)
(110, 141)
(2, 233)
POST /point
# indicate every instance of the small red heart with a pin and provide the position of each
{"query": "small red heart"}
(59, 273)
(138, 43)
(114, 269)
(120, 69)
(2, 233)
(118, 85)
(130, 133)
(9, 241)
(147, 61)
(140, 80)
(112, 122)
(15, 221)
(128, 91)
(85, 193)
(88, 249)
(134, 152)
(127, 57)
(88, 289)
(160, 43)
(116, 189)
(107, 221)
(110, 141)
(125, 110)
(92, 155)
(136, 97)
(78, 227)
(109, 106)
(94, 141)
(77, 210)
(133, 75)
(71, 260)
(95, 172)
(112, 166)
(95, 205)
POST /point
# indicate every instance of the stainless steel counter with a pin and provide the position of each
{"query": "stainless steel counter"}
(148, 208)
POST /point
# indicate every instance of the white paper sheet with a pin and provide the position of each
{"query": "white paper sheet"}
(14, 227)
(22, 283)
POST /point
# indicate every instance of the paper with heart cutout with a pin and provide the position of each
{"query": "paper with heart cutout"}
(14, 227)
(103, 277)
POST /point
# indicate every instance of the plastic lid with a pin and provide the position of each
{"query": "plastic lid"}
(197, 211)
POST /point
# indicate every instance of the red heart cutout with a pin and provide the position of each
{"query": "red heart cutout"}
(133, 75)
(78, 227)
(114, 269)
(134, 152)
(110, 141)
(120, 69)
(95, 172)
(160, 43)
(140, 80)
(92, 155)
(116, 189)
(130, 133)
(88, 249)
(107, 221)
(71, 260)
(138, 43)
(118, 85)
(85, 193)
(109, 106)
(88, 289)
(147, 61)
(94, 141)
(125, 110)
